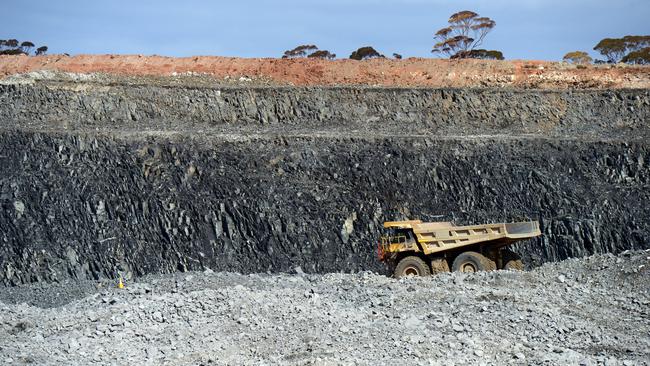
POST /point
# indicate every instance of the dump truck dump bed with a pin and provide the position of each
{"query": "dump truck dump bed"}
(435, 237)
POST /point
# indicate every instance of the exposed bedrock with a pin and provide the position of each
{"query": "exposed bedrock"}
(383, 111)
(97, 179)
(87, 205)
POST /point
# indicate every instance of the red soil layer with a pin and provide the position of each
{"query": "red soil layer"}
(413, 72)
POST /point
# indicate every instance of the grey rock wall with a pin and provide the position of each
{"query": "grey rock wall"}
(88, 205)
(100, 179)
(359, 110)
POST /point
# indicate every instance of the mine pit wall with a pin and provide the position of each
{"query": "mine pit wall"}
(382, 111)
(86, 204)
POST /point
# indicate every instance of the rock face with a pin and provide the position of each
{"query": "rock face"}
(362, 111)
(101, 179)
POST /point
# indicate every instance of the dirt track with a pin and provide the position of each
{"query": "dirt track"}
(412, 72)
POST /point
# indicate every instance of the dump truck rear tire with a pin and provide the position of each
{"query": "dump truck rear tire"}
(512, 260)
(412, 266)
(473, 262)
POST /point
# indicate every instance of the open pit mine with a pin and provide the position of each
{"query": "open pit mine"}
(241, 172)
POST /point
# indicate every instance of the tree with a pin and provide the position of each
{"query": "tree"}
(577, 57)
(482, 54)
(300, 51)
(26, 47)
(364, 53)
(12, 51)
(641, 57)
(615, 49)
(13, 47)
(612, 48)
(309, 50)
(324, 54)
(10, 47)
(636, 43)
(397, 56)
(464, 34)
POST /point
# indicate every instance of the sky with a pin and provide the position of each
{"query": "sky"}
(526, 29)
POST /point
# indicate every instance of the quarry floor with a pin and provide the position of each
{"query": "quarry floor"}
(590, 311)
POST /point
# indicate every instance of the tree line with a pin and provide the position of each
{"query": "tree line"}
(461, 38)
(629, 49)
(466, 31)
(14, 47)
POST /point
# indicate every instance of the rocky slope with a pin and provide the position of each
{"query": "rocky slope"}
(96, 103)
(591, 311)
(105, 175)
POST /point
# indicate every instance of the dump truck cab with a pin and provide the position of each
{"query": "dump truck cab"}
(398, 236)
(414, 247)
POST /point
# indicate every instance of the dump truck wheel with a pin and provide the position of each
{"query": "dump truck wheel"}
(472, 262)
(439, 265)
(411, 266)
(512, 260)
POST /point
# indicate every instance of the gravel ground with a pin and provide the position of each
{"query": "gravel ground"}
(588, 311)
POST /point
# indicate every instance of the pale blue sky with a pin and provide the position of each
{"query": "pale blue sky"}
(526, 29)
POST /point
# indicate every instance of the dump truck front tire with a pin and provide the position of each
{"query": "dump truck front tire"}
(411, 266)
(512, 260)
(473, 262)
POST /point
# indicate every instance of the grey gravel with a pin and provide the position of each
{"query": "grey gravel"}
(599, 315)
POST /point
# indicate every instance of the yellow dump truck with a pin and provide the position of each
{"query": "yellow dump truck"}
(417, 248)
